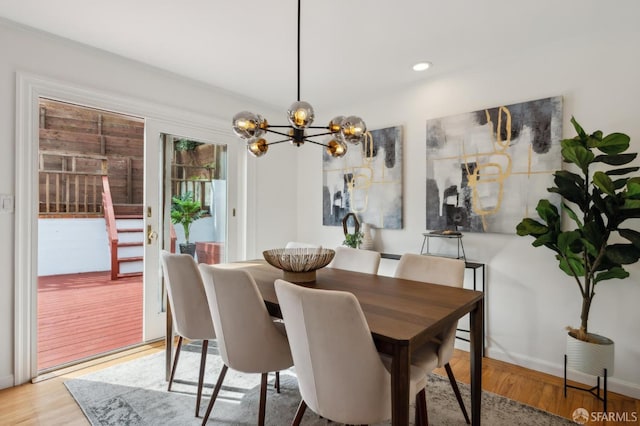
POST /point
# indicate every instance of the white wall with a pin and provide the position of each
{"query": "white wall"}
(40, 54)
(529, 300)
(72, 246)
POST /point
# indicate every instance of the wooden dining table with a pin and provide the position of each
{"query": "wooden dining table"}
(402, 315)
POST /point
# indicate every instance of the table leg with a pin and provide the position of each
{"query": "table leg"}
(168, 341)
(477, 339)
(400, 385)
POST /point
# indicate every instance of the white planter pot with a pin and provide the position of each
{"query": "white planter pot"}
(590, 358)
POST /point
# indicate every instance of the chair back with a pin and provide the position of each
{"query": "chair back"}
(356, 260)
(431, 269)
(435, 270)
(248, 339)
(295, 244)
(185, 290)
(340, 374)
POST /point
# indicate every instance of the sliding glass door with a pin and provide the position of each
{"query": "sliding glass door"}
(196, 168)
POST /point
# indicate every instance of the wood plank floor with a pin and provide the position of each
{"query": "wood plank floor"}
(82, 315)
(49, 403)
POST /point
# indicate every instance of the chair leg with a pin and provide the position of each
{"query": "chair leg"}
(299, 413)
(175, 363)
(263, 399)
(422, 419)
(277, 382)
(214, 395)
(203, 363)
(454, 385)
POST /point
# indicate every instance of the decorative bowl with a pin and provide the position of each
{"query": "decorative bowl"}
(299, 265)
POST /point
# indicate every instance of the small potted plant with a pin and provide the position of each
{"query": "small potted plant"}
(185, 210)
(598, 203)
(351, 239)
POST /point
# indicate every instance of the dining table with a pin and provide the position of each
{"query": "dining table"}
(402, 315)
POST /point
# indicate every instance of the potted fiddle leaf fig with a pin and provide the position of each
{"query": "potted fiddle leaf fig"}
(185, 210)
(596, 243)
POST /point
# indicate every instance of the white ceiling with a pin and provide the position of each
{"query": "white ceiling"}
(352, 50)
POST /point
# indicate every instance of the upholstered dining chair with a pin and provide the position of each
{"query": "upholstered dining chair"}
(357, 260)
(248, 339)
(189, 309)
(442, 271)
(341, 375)
(295, 244)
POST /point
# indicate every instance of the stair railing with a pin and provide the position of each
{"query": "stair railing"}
(112, 231)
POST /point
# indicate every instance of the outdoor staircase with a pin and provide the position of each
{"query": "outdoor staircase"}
(125, 231)
(130, 233)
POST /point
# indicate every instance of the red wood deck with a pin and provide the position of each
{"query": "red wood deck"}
(81, 315)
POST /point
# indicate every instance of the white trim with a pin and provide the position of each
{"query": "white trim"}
(6, 382)
(29, 88)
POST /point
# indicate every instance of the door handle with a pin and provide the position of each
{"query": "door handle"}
(151, 235)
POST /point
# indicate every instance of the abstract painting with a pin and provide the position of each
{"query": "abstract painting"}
(486, 170)
(367, 181)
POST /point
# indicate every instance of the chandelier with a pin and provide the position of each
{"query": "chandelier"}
(252, 127)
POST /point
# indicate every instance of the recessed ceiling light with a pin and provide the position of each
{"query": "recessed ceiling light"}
(421, 66)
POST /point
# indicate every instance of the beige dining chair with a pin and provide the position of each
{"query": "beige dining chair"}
(442, 271)
(356, 260)
(295, 244)
(189, 309)
(341, 375)
(249, 340)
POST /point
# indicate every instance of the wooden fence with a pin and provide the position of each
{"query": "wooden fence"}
(71, 183)
(78, 145)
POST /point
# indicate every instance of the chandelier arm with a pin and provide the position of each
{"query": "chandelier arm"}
(318, 127)
(320, 134)
(315, 142)
(277, 142)
(278, 133)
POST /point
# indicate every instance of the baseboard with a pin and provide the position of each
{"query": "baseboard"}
(557, 369)
(6, 381)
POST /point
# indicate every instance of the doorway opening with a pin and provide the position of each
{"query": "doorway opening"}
(90, 233)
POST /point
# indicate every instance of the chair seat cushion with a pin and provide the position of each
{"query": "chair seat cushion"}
(417, 375)
(426, 357)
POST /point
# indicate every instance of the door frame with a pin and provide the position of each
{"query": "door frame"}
(29, 89)
(155, 196)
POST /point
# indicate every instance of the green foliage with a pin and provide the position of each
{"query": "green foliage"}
(597, 204)
(186, 145)
(353, 240)
(185, 210)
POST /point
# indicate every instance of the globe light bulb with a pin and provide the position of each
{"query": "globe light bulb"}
(336, 149)
(247, 124)
(257, 147)
(335, 125)
(300, 114)
(353, 129)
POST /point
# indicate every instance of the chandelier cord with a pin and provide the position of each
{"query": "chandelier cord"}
(299, 50)
(250, 126)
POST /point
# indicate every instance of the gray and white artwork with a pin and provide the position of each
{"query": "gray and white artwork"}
(366, 181)
(486, 170)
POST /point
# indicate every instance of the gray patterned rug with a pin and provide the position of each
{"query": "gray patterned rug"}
(135, 393)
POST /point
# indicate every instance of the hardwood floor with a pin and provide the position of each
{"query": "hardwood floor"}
(49, 403)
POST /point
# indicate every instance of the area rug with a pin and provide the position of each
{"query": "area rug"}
(135, 393)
